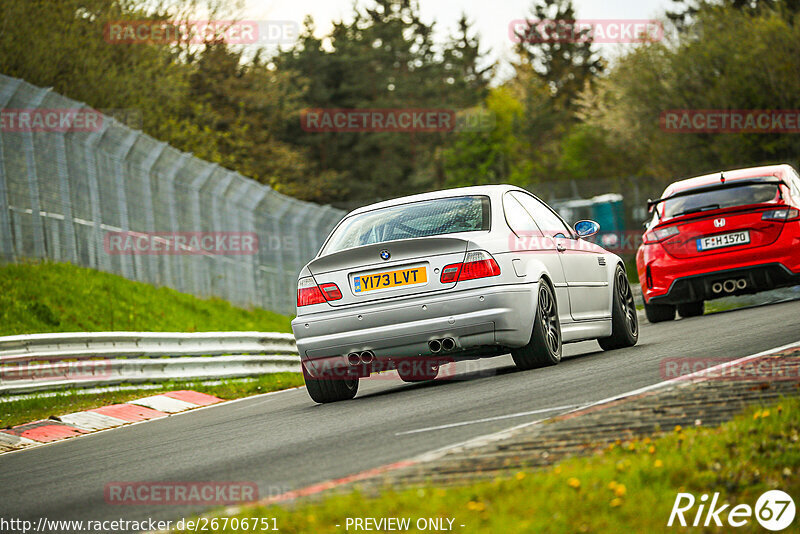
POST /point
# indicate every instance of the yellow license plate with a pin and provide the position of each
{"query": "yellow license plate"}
(401, 277)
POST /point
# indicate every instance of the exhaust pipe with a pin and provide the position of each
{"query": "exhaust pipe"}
(717, 287)
(435, 345)
(741, 283)
(367, 356)
(448, 344)
(729, 286)
(353, 358)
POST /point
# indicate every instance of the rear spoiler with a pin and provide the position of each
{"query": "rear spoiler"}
(715, 187)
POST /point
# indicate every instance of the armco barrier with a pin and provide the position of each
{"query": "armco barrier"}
(41, 362)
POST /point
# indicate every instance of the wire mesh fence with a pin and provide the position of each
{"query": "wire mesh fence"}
(79, 186)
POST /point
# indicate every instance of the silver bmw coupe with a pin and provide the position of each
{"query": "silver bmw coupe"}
(412, 283)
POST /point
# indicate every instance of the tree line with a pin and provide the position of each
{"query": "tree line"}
(565, 113)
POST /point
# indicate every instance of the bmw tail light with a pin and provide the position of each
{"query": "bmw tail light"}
(476, 264)
(450, 273)
(308, 293)
(783, 214)
(330, 291)
(660, 234)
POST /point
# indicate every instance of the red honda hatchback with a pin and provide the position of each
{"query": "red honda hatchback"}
(728, 233)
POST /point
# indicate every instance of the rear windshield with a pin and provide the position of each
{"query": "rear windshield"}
(721, 198)
(418, 219)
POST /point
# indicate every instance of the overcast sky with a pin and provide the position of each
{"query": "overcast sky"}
(489, 17)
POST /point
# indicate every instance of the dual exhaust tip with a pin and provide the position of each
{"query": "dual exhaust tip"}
(435, 345)
(356, 358)
(438, 345)
(729, 286)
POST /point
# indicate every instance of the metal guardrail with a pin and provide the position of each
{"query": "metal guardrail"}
(40, 362)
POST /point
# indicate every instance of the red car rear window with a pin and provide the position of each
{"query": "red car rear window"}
(720, 198)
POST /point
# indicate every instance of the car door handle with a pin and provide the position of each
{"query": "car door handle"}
(560, 247)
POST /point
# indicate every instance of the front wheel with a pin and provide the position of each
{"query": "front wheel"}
(544, 348)
(331, 389)
(624, 321)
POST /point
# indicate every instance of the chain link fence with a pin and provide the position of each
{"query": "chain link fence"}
(67, 188)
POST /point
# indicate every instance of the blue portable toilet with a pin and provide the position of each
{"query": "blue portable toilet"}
(609, 212)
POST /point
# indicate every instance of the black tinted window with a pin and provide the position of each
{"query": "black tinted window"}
(721, 198)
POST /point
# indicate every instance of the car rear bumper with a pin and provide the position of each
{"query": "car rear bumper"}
(670, 280)
(491, 316)
(748, 280)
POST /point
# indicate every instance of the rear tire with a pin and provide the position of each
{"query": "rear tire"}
(657, 313)
(624, 321)
(692, 309)
(544, 348)
(417, 370)
(324, 390)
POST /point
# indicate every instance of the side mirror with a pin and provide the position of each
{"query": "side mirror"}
(586, 228)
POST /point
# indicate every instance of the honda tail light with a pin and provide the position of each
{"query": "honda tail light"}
(308, 292)
(783, 214)
(476, 264)
(660, 234)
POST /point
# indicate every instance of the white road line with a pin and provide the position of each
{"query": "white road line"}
(490, 419)
(486, 439)
(497, 436)
(697, 374)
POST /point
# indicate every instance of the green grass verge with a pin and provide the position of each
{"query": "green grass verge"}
(630, 269)
(630, 487)
(61, 297)
(31, 409)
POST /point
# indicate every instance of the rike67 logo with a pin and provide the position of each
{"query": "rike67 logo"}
(774, 510)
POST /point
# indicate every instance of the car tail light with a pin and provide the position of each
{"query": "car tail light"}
(660, 234)
(308, 292)
(783, 214)
(331, 291)
(476, 264)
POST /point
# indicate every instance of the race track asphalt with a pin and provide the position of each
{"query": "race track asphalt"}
(284, 441)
